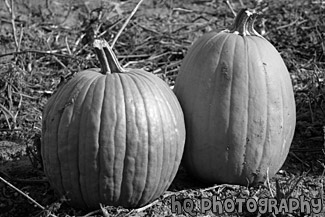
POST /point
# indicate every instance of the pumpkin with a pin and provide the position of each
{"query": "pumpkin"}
(239, 107)
(113, 136)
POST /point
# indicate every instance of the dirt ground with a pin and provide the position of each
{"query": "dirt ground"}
(50, 43)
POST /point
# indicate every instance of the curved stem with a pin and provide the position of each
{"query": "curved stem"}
(108, 60)
(251, 23)
(240, 24)
(244, 23)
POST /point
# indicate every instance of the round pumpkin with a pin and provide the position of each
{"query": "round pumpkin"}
(238, 103)
(112, 136)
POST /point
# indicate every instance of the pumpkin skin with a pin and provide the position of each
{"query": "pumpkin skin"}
(239, 107)
(112, 136)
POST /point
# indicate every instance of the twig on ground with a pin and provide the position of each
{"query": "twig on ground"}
(138, 209)
(133, 56)
(20, 38)
(52, 52)
(10, 8)
(268, 183)
(141, 209)
(126, 23)
(112, 26)
(292, 187)
(147, 29)
(60, 63)
(295, 156)
(230, 7)
(220, 186)
(172, 64)
(6, 112)
(22, 193)
(92, 213)
(67, 45)
(104, 211)
(79, 39)
(77, 52)
(291, 24)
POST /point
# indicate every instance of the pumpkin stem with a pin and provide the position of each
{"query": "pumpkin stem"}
(250, 25)
(108, 60)
(244, 23)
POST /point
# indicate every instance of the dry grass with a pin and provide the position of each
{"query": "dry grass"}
(51, 42)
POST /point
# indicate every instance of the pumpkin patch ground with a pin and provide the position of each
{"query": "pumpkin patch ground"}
(52, 41)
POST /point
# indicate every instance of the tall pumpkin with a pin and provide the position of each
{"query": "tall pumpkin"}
(113, 136)
(238, 103)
